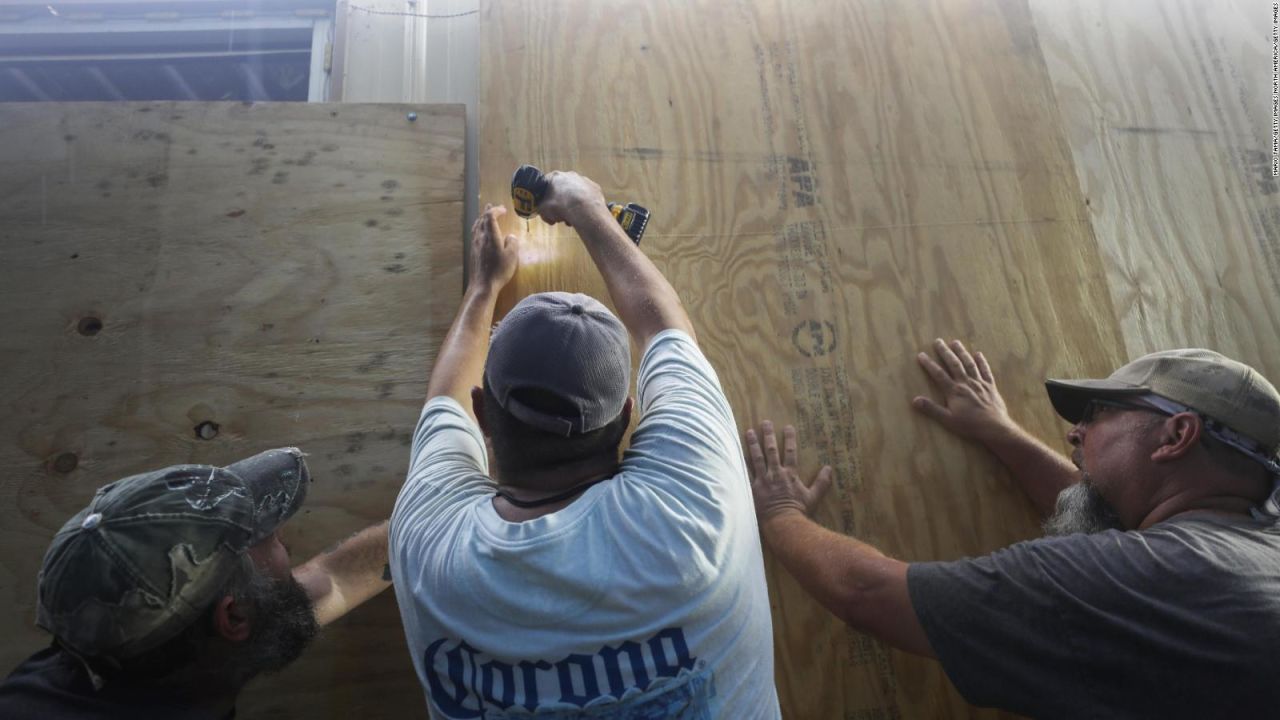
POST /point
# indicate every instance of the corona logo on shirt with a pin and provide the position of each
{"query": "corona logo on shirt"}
(464, 681)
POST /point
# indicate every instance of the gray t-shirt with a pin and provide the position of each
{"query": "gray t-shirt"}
(1179, 620)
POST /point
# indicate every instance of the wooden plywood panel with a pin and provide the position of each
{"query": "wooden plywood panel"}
(1168, 114)
(833, 185)
(285, 272)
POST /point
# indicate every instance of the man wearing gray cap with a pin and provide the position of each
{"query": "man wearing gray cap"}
(562, 581)
(172, 589)
(1155, 594)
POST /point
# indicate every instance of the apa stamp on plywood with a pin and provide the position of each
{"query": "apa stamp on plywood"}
(814, 338)
(803, 265)
(865, 651)
(783, 117)
(825, 418)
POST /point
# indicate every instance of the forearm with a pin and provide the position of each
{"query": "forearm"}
(1039, 470)
(346, 574)
(856, 582)
(460, 361)
(646, 302)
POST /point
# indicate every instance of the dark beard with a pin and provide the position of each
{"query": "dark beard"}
(284, 625)
(199, 664)
(1081, 509)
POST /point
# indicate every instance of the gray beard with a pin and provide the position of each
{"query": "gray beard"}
(1081, 509)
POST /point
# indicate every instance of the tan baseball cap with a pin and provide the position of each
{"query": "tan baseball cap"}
(1210, 383)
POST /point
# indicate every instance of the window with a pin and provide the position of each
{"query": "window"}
(177, 50)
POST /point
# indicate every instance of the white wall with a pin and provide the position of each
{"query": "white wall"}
(409, 52)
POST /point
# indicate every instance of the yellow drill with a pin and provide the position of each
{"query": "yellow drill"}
(528, 187)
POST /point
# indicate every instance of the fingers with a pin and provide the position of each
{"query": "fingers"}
(966, 360)
(939, 376)
(984, 370)
(550, 214)
(949, 360)
(957, 363)
(929, 407)
(782, 483)
(487, 221)
(789, 446)
(549, 208)
(821, 484)
(755, 456)
(770, 444)
(491, 215)
(568, 193)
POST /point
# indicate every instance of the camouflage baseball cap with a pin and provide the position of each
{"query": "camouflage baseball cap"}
(151, 552)
(1212, 384)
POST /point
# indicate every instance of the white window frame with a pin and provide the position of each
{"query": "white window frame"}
(164, 25)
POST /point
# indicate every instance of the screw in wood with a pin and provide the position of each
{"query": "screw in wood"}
(207, 430)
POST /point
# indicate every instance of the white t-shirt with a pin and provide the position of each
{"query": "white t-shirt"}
(643, 598)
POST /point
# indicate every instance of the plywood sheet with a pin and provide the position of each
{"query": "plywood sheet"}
(833, 185)
(1167, 110)
(284, 272)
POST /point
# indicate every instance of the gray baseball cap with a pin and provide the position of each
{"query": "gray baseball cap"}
(151, 552)
(560, 362)
(1212, 384)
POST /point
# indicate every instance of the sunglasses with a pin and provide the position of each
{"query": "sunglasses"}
(1213, 428)
(1096, 406)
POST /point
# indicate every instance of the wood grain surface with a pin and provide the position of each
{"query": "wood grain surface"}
(284, 272)
(1167, 109)
(833, 185)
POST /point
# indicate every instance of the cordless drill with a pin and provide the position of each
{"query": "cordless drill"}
(528, 187)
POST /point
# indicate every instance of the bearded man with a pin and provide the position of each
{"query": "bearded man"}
(173, 589)
(1156, 592)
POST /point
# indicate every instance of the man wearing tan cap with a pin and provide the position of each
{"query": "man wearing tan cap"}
(1156, 592)
(565, 581)
(172, 589)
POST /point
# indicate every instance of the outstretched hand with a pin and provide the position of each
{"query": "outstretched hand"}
(971, 404)
(775, 481)
(494, 258)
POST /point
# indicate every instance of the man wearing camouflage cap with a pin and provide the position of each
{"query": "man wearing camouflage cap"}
(172, 589)
(565, 582)
(1156, 592)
